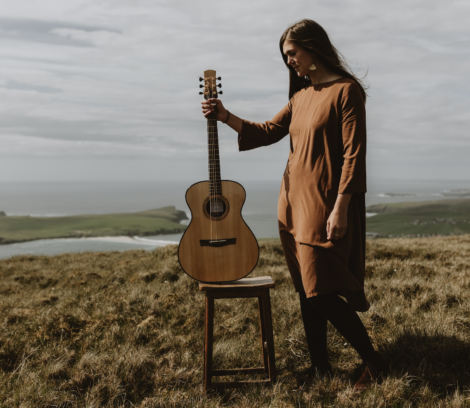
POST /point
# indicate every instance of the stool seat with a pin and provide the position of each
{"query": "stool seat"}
(257, 282)
(243, 288)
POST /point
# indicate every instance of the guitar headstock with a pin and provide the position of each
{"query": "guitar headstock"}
(210, 86)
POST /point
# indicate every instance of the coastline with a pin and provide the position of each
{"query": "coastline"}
(129, 240)
(104, 243)
(107, 238)
(118, 239)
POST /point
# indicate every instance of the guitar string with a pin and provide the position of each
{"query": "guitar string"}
(216, 165)
(207, 96)
(211, 182)
(210, 171)
(214, 209)
(214, 202)
(214, 138)
(214, 173)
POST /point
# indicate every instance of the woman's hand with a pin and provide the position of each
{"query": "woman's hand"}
(209, 105)
(337, 223)
(222, 114)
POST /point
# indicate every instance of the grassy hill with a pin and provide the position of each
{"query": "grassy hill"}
(125, 329)
(421, 218)
(152, 222)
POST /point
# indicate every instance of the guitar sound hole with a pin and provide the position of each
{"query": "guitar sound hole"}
(216, 207)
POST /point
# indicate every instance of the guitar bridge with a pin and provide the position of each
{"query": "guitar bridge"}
(218, 242)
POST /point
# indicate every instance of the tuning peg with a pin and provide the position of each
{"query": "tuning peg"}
(201, 93)
(219, 78)
(220, 85)
(201, 79)
(201, 86)
(221, 93)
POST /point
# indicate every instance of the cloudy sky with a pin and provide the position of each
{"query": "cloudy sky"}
(108, 89)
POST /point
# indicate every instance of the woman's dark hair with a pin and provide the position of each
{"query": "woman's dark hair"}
(313, 38)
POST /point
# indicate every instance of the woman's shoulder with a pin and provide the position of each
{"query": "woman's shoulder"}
(339, 89)
(335, 85)
(341, 85)
(352, 91)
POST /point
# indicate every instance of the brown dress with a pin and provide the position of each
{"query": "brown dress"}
(327, 127)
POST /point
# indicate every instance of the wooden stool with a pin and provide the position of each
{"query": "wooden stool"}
(243, 288)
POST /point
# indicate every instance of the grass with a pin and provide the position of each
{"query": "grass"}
(125, 329)
(152, 222)
(421, 218)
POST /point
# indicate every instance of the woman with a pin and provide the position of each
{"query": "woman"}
(321, 208)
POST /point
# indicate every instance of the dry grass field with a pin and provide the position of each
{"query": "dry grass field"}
(125, 329)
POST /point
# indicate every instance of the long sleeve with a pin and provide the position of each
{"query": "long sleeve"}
(353, 173)
(255, 135)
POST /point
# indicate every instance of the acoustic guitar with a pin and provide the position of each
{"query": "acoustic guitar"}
(217, 246)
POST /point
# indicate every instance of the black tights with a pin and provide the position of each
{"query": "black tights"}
(317, 310)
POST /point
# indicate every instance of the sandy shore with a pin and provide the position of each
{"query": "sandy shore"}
(131, 240)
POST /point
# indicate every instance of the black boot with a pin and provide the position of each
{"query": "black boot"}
(374, 369)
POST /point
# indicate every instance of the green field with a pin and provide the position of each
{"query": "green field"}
(420, 218)
(152, 222)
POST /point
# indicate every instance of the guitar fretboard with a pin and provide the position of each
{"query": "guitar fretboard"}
(215, 185)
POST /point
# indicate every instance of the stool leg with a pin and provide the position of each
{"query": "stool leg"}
(263, 335)
(208, 342)
(269, 335)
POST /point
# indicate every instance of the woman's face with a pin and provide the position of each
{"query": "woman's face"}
(297, 57)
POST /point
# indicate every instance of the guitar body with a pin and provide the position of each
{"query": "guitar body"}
(217, 246)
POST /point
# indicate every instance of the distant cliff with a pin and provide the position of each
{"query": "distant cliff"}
(152, 222)
(443, 217)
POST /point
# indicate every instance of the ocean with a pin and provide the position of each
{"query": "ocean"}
(259, 212)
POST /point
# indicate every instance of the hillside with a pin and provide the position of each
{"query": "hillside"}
(152, 222)
(420, 218)
(125, 329)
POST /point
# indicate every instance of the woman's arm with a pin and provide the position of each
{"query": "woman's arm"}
(353, 171)
(252, 135)
(233, 121)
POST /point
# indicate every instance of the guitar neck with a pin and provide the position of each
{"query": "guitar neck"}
(215, 185)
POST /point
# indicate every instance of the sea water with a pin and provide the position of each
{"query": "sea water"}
(259, 211)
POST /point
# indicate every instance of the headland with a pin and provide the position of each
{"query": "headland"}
(166, 220)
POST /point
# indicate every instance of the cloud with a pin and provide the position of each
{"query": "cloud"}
(117, 79)
(29, 30)
(96, 37)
